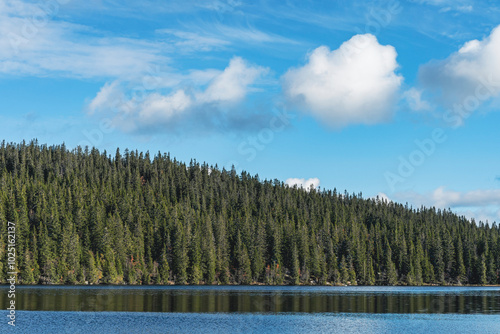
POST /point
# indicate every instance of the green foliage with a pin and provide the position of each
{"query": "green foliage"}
(244, 271)
(93, 274)
(85, 216)
(295, 266)
(371, 274)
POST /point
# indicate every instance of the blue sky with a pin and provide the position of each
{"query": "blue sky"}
(392, 98)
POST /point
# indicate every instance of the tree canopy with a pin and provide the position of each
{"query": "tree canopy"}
(85, 216)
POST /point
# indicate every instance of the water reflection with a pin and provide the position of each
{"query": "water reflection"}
(259, 299)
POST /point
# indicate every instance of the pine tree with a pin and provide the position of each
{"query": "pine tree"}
(92, 272)
(295, 269)
(222, 258)
(47, 258)
(428, 270)
(460, 273)
(180, 252)
(258, 253)
(109, 273)
(344, 271)
(491, 273)
(195, 257)
(482, 271)
(352, 275)
(417, 264)
(392, 275)
(164, 268)
(27, 276)
(243, 262)
(208, 251)
(371, 274)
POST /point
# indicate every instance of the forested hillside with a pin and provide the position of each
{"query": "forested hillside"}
(135, 218)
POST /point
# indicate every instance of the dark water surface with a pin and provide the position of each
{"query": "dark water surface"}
(259, 299)
(253, 309)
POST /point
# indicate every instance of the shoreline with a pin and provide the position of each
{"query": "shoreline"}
(257, 284)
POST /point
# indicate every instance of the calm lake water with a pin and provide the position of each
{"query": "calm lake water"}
(254, 309)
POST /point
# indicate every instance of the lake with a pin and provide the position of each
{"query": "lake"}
(253, 309)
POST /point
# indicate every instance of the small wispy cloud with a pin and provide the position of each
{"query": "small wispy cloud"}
(220, 5)
(250, 34)
(413, 97)
(191, 41)
(465, 8)
(448, 5)
(210, 36)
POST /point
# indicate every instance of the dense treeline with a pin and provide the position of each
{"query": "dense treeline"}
(85, 216)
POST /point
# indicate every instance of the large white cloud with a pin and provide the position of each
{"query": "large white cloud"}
(303, 183)
(356, 83)
(147, 109)
(467, 77)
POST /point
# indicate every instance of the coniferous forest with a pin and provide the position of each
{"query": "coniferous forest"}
(86, 216)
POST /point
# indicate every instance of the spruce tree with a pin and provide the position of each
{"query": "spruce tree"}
(295, 269)
(390, 267)
(180, 252)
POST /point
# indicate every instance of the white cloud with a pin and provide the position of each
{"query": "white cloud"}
(382, 197)
(356, 83)
(458, 5)
(303, 183)
(467, 77)
(106, 97)
(414, 98)
(147, 109)
(480, 204)
(249, 34)
(232, 84)
(208, 37)
(32, 42)
(159, 108)
(489, 215)
(465, 8)
(445, 197)
(220, 6)
(193, 41)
